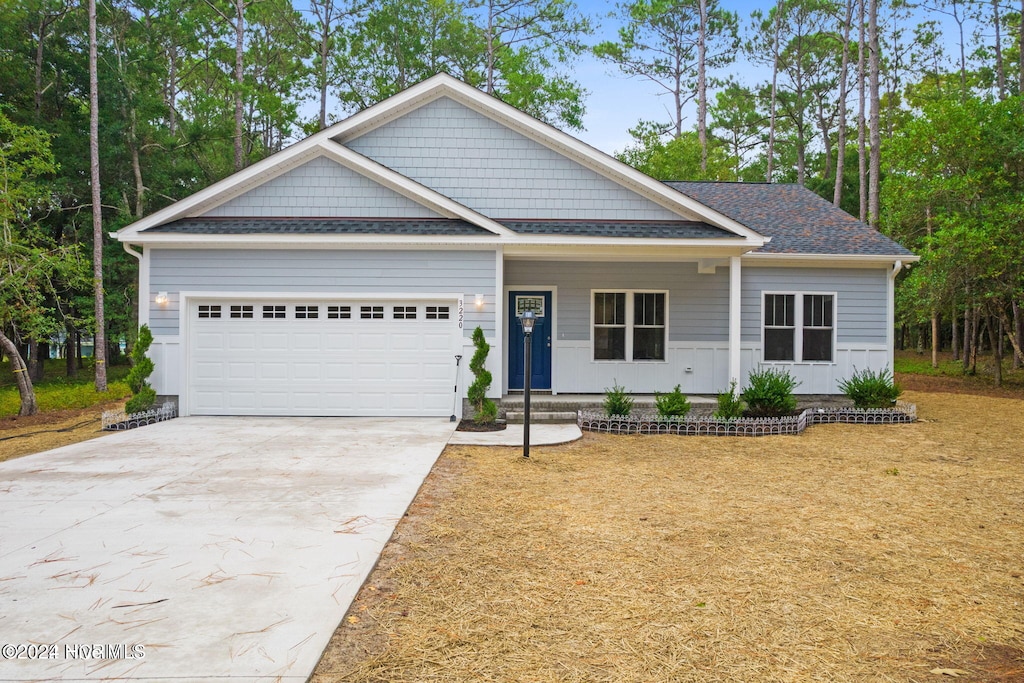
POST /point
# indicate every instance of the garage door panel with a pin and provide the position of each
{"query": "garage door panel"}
(354, 366)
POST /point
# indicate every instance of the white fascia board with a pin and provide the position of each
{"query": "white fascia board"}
(444, 85)
(409, 188)
(830, 260)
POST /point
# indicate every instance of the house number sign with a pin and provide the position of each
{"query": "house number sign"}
(462, 313)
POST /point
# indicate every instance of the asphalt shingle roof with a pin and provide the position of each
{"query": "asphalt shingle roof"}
(797, 219)
(643, 229)
(321, 226)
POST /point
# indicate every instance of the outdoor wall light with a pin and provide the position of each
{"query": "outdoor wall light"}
(161, 298)
(479, 301)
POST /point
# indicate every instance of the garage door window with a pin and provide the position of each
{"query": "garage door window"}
(438, 313)
(307, 312)
(238, 312)
(339, 312)
(405, 313)
(272, 312)
(209, 311)
(371, 312)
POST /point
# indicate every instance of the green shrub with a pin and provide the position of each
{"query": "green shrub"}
(617, 403)
(868, 389)
(484, 409)
(769, 393)
(730, 406)
(142, 367)
(672, 404)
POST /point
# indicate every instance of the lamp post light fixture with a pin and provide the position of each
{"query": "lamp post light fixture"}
(528, 319)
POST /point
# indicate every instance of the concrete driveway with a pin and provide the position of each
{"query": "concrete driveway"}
(199, 548)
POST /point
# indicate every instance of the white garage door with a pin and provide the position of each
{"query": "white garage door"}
(322, 357)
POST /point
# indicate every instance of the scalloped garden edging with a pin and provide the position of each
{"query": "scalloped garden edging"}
(706, 425)
(118, 420)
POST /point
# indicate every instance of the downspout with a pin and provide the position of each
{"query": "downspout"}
(890, 335)
(143, 284)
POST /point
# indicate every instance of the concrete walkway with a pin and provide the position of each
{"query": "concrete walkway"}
(540, 435)
(199, 549)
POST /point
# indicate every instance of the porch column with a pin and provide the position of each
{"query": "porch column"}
(734, 319)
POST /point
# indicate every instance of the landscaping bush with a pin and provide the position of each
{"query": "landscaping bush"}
(868, 389)
(769, 393)
(672, 404)
(730, 406)
(484, 409)
(142, 367)
(617, 403)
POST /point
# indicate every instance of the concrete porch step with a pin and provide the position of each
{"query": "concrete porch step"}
(539, 416)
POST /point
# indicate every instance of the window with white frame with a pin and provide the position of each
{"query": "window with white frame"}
(629, 325)
(799, 327)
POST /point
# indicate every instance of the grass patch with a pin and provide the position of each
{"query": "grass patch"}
(57, 392)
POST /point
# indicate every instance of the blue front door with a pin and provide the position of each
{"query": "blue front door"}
(540, 304)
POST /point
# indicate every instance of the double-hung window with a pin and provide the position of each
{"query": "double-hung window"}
(629, 326)
(799, 327)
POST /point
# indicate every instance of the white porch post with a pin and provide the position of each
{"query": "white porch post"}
(734, 319)
(500, 335)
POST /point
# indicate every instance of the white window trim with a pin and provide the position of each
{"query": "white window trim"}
(629, 324)
(798, 326)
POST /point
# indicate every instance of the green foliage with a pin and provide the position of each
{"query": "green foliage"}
(484, 409)
(769, 393)
(676, 158)
(869, 389)
(57, 392)
(730, 406)
(617, 403)
(672, 404)
(142, 368)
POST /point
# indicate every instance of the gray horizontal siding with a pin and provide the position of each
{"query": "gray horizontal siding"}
(698, 304)
(318, 189)
(497, 171)
(325, 271)
(860, 293)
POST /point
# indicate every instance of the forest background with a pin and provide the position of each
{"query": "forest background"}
(907, 115)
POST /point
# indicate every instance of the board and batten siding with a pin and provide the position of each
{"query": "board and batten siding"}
(321, 188)
(321, 271)
(495, 170)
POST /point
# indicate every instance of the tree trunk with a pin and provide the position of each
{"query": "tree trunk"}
(935, 339)
(36, 361)
(1000, 70)
(97, 204)
(862, 147)
(239, 81)
(774, 96)
(997, 351)
(702, 88)
(954, 330)
(874, 124)
(39, 68)
(1018, 328)
(844, 77)
(26, 391)
(967, 340)
(1020, 50)
(70, 357)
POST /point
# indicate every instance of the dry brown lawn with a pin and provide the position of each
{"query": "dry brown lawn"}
(850, 553)
(27, 435)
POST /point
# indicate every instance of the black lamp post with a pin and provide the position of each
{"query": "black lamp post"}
(527, 320)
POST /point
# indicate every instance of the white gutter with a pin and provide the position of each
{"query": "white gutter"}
(890, 313)
(143, 282)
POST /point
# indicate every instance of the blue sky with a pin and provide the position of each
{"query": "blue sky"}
(615, 103)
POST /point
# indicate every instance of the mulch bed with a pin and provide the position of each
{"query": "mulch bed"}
(853, 553)
(473, 426)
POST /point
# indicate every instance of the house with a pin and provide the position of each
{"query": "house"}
(345, 274)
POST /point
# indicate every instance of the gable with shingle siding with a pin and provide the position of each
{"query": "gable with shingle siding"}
(497, 171)
(321, 188)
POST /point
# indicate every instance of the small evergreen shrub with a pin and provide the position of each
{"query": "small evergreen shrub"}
(769, 393)
(672, 404)
(484, 409)
(617, 403)
(868, 389)
(144, 396)
(730, 406)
